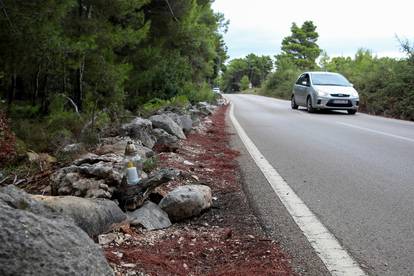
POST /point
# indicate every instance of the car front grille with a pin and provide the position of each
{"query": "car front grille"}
(340, 95)
(332, 104)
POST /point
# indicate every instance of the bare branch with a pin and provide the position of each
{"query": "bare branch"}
(3, 7)
(72, 102)
(171, 11)
(4, 179)
(406, 47)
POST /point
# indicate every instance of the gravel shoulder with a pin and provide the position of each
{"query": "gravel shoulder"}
(272, 215)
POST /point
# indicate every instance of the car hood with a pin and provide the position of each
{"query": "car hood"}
(332, 89)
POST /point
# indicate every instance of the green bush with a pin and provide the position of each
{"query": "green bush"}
(65, 120)
(23, 111)
(34, 134)
(180, 101)
(279, 84)
(202, 93)
(152, 106)
(244, 83)
(150, 164)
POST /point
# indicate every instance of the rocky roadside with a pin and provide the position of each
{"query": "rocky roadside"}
(225, 240)
(187, 216)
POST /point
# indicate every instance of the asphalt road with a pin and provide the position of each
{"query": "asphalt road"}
(355, 172)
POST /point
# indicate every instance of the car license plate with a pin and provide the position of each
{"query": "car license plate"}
(340, 101)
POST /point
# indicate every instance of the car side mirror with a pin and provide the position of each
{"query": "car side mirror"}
(352, 85)
(304, 83)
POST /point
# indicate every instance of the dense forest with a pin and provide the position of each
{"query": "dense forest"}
(66, 63)
(385, 85)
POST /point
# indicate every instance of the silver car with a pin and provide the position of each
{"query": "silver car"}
(324, 90)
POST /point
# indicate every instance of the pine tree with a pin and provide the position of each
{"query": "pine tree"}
(301, 45)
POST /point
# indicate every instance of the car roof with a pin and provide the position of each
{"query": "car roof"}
(321, 72)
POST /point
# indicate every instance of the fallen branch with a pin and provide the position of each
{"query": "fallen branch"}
(4, 179)
(131, 197)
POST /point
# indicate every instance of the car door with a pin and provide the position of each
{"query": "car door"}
(301, 88)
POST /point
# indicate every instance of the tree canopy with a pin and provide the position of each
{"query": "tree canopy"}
(301, 45)
(63, 63)
(97, 52)
(255, 68)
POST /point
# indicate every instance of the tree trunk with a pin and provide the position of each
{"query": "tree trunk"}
(79, 84)
(36, 90)
(44, 97)
(64, 85)
(12, 90)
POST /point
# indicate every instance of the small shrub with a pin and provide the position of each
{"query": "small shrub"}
(154, 105)
(68, 120)
(18, 111)
(180, 101)
(33, 133)
(150, 164)
(60, 138)
(202, 93)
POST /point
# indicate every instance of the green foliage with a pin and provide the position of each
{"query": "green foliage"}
(301, 46)
(279, 84)
(180, 101)
(184, 49)
(99, 57)
(299, 53)
(259, 67)
(244, 83)
(150, 164)
(19, 111)
(199, 93)
(256, 68)
(153, 106)
(34, 134)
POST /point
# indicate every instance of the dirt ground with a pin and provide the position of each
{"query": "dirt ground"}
(225, 240)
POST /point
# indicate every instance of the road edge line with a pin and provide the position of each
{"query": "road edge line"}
(336, 259)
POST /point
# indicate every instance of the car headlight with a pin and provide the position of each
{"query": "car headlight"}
(322, 93)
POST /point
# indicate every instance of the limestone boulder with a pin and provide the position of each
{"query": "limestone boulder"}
(150, 216)
(36, 240)
(186, 201)
(166, 123)
(165, 141)
(94, 216)
(140, 129)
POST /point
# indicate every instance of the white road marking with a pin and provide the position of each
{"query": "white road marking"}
(378, 132)
(336, 259)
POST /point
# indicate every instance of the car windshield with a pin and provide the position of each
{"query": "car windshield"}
(329, 79)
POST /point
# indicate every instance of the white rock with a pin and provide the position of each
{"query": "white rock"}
(186, 201)
(188, 163)
(105, 239)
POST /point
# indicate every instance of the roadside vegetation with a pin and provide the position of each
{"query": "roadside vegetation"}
(385, 85)
(69, 69)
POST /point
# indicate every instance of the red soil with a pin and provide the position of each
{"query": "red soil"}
(226, 240)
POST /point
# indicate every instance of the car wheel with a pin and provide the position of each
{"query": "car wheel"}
(309, 105)
(293, 103)
(351, 111)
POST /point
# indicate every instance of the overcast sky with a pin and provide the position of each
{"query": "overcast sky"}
(259, 26)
